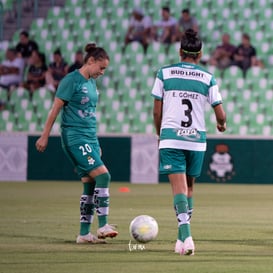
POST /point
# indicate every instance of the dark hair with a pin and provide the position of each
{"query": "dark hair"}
(12, 49)
(24, 33)
(185, 11)
(98, 53)
(79, 51)
(165, 8)
(191, 45)
(42, 57)
(246, 36)
(57, 52)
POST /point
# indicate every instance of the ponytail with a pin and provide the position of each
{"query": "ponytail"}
(98, 53)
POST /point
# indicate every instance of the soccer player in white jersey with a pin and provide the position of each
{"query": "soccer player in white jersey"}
(180, 93)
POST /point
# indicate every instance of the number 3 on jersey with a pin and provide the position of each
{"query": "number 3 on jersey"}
(187, 120)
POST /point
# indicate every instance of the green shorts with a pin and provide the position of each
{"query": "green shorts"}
(180, 161)
(85, 157)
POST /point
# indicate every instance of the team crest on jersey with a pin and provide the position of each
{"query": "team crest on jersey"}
(84, 89)
(221, 167)
(91, 160)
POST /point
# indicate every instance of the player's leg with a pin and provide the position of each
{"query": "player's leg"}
(194, 161)
(86, 205)
(102, 179)
(179, 189)
(101, 193)
(190, 183)
(86, 199)
(173, 163)
(87, 212)
(101, 201)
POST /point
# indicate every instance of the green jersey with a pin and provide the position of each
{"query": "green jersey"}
(79, 111)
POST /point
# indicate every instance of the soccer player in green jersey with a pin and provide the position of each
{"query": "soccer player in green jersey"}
(77, 97)
(180, 93)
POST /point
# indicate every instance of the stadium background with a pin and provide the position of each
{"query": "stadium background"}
(125, 108)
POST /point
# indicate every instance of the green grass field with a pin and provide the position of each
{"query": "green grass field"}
(232, 227)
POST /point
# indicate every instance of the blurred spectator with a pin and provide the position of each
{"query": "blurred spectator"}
(78, 61)
(11, 70)
(222, 56)
(26, 46)
(56, 70)
(165, 30)
(36, 73)
(245, 55)
(185, 22)
(140, 29)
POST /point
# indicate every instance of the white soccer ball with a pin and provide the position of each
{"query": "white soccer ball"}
(143, 228)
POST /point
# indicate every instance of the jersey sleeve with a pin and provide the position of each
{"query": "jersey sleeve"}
(173, 22)
(147, 22)
(214, 96)
(158, 87)
(194, 21)
(131, 22)
(65, 89)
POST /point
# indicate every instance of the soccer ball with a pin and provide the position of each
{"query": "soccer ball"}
(143, 228)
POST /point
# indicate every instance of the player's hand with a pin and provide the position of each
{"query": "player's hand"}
(41, 144)
(221, 128)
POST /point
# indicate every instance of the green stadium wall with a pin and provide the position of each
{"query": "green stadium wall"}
(54, 165)
(238, 161)
(134, 158)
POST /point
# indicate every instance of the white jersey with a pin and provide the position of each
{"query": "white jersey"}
(13, 78)
(144, 23)
(166, 23)
(185, 89)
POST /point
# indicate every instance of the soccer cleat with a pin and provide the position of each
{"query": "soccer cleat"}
(89, 239)
(178, 246)
(188, 247)
(107, 231)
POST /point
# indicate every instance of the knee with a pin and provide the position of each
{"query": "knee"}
(103, 180)
(107, 176)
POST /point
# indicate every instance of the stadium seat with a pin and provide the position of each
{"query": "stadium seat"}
(16, 96)
(41, 100)
(256, 72)
(6, 117)
(129, 77)
(37, 26)
(3, 94)
(74, 3)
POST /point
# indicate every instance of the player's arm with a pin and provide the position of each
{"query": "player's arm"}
(41, 143)
(157, 113)
(220, 117)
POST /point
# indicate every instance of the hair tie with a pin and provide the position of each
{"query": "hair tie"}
(190, 52)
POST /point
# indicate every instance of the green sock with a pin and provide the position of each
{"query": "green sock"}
(86, 208)
(88, 188)
(190, 202)
(181, 210)
(101, 198)
(190, 208)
